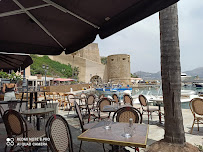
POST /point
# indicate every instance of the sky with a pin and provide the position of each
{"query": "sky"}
(142, 40)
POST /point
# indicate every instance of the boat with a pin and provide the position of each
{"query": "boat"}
(198, 85)
(186, 96)
(185, 77)
(114, 89)
(110, 89)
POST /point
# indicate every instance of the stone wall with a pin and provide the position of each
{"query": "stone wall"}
(93, 69)
(90, 52)
(65, 88)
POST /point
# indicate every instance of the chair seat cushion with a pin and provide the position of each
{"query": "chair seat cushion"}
(151, 108)
(89, 125)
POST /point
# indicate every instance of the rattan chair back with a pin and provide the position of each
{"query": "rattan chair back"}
(196, 106)
(127, 99)
(101, 96)
(104, 102)
(58, 131)
(69, 98)
(84, 98)
(125, 113)
(15, 124)
(91, 99)
(1, 110)
(115, 97)
(143, 100)
(78, 111)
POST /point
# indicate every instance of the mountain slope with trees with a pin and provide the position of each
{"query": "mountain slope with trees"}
(56, 69)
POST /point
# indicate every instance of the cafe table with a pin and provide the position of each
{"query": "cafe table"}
(37, 113)
(115, 135)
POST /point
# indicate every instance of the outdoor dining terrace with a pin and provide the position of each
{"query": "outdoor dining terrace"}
(91, 130)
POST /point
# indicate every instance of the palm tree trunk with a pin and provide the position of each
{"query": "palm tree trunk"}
(171, 75)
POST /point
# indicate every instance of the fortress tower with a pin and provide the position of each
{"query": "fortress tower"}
(119, 68)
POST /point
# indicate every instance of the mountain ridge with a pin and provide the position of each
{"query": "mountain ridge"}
(157, 76)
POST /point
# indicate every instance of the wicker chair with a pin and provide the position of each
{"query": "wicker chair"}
(57, 129)
(124, 114)
(103, 102)
(84, 126)
(17, 127)
(69, 102)
(91, 101)
(115, 97)
(196, 106)
(101, 96)
(146, 108)
(127, 99)
(84, 98)
(1, 111)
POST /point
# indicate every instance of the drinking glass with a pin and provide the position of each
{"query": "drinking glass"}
(107, 123)
(128, 132)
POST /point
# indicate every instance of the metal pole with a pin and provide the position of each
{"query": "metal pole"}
(24, 85)
(45, 78)
(73, 68)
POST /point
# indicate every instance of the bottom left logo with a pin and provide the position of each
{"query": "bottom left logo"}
(10, 141)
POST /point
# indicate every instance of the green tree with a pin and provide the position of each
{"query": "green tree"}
(104, 60)
(3, 74)
(13, 76)
(134, 75)
(55, 68)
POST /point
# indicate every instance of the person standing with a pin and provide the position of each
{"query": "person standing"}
(9, 90)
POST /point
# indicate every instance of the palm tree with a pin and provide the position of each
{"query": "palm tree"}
(171, 75)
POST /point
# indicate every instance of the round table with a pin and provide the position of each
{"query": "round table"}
(37, 112)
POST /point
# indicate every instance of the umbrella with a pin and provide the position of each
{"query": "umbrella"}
(14, 61)
(51, 27)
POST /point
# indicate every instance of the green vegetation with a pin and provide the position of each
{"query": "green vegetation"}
(56, 69)
(12, 76)
(134, 75)
(104, 60)
(200, 147)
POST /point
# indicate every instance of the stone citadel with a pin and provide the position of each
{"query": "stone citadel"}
(117, 69)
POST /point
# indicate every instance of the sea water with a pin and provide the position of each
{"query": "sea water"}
(150, 91)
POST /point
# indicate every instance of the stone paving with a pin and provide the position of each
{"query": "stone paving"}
(156, 132)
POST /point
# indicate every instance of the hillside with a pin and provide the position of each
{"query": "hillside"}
(56, 69)
(196, 72)
(148, 75)
(157, 76)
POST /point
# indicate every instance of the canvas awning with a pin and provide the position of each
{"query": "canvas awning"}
(14, 61)
(49, 27)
